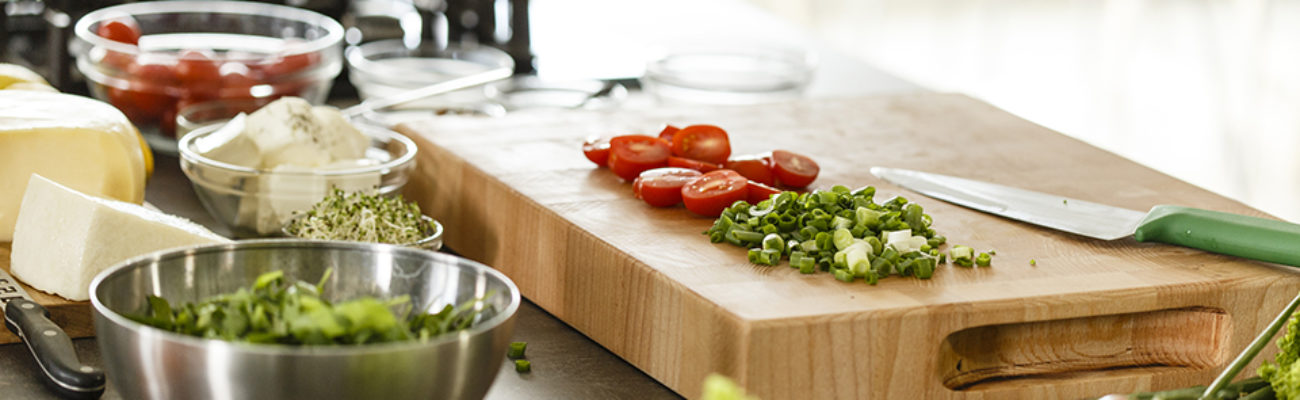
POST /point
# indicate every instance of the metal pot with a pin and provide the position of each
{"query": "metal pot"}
(147, 363)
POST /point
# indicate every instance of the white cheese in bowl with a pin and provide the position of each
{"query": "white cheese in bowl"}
(289, 131)
(63, 237)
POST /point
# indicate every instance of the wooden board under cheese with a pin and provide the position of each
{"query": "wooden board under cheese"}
(73, 316)
(1090, 318)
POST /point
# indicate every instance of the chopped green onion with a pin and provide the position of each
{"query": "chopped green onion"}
(517, 350)
(843, 275)
(983, 260)
(523, 366)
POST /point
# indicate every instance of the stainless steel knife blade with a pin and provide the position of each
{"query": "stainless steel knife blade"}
(1251, 237)
(10, 290)
(1075, 216)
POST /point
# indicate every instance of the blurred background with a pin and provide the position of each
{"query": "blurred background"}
(1202, 90)
(1206, 91)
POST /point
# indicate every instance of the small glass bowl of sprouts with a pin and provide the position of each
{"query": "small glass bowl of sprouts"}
(366, 217)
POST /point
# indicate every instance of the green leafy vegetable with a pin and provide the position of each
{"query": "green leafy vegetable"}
(1283, 374)
(362, 217)
(273, 311)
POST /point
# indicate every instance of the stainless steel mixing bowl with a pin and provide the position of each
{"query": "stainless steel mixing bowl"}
(147, 363)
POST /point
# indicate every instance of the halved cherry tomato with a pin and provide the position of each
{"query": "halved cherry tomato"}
(692, 164)
(597, 150)
(711, 193)
(120, 29)
(662, 187)
(706, 143)
(793, 170)
(757, 168)
(667, 133)
(759, 192)
(629, 155)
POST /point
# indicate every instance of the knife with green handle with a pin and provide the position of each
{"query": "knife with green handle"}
(1237, 235)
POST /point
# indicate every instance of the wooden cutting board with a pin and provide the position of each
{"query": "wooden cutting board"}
(73, 316)
(1090, 318)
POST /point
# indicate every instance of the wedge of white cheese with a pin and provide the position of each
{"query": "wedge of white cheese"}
(63, 237)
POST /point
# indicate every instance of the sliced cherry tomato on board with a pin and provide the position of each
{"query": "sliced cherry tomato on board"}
(120, 29)
(667, 133)
(692, 164)
(662, 187)
(706, 143)
(711, 193)
(597, 150)
(759, 192)
(757, 168)
(794, 170)
(630, 155)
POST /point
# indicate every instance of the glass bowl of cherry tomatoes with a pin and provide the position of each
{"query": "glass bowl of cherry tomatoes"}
(150, 59)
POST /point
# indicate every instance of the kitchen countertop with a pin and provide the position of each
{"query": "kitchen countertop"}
(566, 364)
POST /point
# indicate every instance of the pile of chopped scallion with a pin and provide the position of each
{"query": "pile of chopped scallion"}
(841, 231)
(273, 312)
(362, 217)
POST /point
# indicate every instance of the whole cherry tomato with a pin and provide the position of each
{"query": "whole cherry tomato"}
(199, 73)
(121, 28)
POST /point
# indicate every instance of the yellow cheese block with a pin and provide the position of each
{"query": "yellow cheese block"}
(11, 74)
(82, 143)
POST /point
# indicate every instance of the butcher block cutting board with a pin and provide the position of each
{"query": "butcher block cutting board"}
(1088, 318)
(73, 316)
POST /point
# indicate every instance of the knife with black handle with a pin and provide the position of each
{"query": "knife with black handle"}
(49, 344)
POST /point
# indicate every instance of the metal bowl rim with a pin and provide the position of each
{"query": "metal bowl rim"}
(264, 349)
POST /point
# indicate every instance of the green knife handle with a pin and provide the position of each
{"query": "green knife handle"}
(1223, 233)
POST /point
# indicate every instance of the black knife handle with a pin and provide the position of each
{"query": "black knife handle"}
(53, 351)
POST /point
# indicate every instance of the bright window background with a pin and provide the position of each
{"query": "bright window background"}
(1206, 91)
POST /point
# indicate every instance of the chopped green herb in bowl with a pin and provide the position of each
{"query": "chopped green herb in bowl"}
(364, 217)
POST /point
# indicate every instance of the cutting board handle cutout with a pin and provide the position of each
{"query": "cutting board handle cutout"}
(997, 356)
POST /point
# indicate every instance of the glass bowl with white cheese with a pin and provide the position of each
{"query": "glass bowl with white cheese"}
(253, 172)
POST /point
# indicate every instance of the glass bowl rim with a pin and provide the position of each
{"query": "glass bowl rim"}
(333, 29)
(188, 154)
(359, 62)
